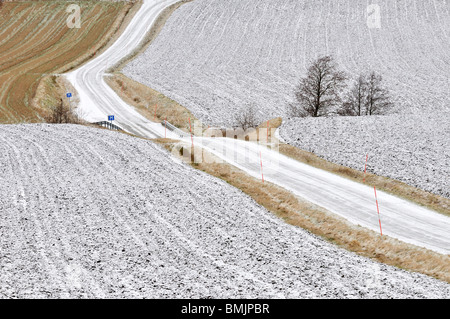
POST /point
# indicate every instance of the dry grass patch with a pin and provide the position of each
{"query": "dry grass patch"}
(273, 123)
(300, 213)
(50, 91)
(150, 103)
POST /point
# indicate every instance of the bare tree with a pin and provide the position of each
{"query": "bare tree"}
(366, 97)
(355, 101)
(320, 90)
(378, 99)
(62, 114)
(247, 118)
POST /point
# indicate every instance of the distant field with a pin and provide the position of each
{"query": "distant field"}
(35, 41)
(215, 56)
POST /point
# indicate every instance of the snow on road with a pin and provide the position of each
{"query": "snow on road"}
(355, 202)
(97, 99)
(87, 212)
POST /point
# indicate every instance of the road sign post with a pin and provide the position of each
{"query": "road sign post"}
(111, 119)
(69, 95)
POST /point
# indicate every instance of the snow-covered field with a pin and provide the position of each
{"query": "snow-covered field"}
(410, 148)
(93, 213)
(216, 56)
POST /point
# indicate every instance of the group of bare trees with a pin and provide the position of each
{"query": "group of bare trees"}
(320, 93)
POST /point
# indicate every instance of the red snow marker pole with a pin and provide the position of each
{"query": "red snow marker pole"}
(262, 175)
(365, 168)
(378, 210)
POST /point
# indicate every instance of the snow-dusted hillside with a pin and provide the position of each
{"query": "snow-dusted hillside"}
(410, 148)
(216, 56)
(86, 212)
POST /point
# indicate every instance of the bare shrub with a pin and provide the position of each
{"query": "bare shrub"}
(62, 113)
(366, 97)
(247, 118)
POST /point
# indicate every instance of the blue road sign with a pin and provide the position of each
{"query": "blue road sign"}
(110, 117)
(69, 94)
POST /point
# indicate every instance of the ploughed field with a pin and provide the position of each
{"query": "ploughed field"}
(35, 41)
(86, 212)
(215, 56)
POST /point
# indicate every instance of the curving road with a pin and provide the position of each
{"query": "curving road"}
(355, 202)
(97, 99)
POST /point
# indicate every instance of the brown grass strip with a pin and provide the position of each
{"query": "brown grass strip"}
(147, 100)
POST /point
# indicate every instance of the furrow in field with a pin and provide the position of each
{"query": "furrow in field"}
(35, 235)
